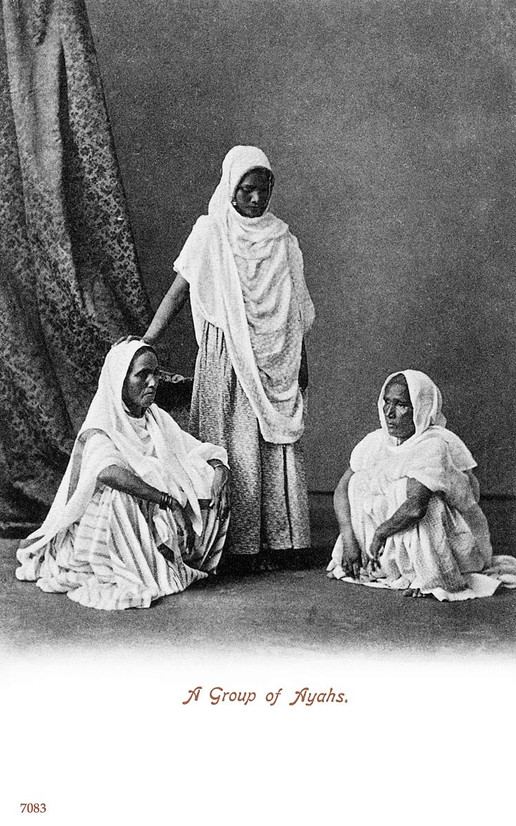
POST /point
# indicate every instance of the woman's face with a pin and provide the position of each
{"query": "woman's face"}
(398, 411)
(253, 193)
(141, 382)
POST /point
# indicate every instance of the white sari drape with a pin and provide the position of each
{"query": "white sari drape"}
(103, 546)
(246, 278)
(448, 552)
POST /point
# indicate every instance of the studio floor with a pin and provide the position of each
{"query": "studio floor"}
(299, 610)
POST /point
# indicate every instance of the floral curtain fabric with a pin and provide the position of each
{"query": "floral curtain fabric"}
(69, 278)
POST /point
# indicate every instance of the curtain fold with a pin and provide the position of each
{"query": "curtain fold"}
(69, 277)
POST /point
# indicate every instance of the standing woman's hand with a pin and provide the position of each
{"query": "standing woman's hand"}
(126, 339)
(303, 370)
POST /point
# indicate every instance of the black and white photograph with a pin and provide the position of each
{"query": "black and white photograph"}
(257, 440)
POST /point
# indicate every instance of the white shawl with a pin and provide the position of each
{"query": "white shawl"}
(177, 462)
(246, 277)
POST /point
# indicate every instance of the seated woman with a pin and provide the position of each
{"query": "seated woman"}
(142, 510)
(408, 508)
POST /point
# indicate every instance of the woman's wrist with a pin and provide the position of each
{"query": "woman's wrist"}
(216, 463)
(166, 501)
(382, 533)
(346, 530)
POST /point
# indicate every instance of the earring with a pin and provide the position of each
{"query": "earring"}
(234, 201)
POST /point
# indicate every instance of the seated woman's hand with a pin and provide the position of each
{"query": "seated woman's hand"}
(185, 531)
(169, 503)
(376, 549)
(220, 489)
(351, 554)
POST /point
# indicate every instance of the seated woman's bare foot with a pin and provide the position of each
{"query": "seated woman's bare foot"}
(415, 592)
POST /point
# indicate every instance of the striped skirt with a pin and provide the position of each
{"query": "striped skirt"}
(114, 557)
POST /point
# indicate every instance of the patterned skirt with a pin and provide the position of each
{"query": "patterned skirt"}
(269, 499)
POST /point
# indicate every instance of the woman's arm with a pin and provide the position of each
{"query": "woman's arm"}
(169, 307)
(409, 514)
(352, 557)
(125, 480)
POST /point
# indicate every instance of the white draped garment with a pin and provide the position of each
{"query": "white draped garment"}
(100, 545)
(246, 278)
(448, 552)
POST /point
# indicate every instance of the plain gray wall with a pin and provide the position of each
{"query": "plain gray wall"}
(391, 129)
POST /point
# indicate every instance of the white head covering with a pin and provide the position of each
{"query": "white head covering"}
(425, 397)
(251, 238)
(426, 401)
(238, 162)
(277, 310)
(176, 463)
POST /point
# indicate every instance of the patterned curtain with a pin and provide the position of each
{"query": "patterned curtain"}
(69, 279)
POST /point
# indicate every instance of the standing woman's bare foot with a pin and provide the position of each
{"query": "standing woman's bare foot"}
(265, 561)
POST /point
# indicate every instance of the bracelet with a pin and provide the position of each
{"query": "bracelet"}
(219, 464)
(166, 501)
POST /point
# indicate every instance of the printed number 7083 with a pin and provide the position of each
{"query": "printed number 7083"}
(33, 808)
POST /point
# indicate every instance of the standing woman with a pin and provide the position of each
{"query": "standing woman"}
(251, 310)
